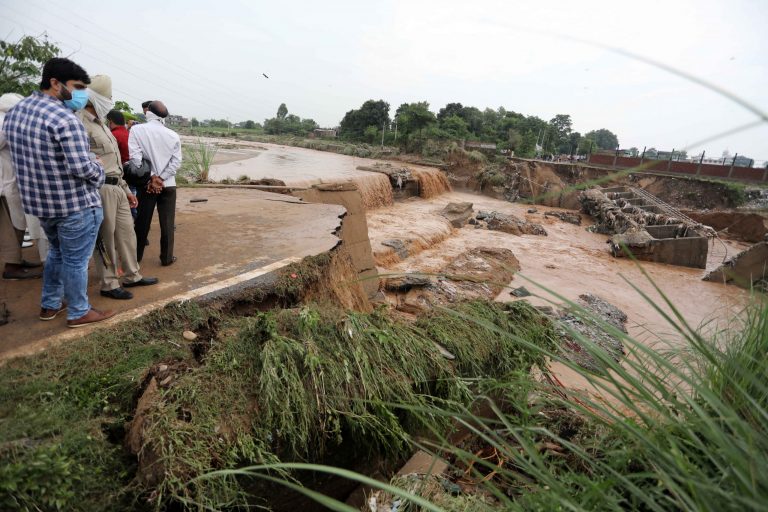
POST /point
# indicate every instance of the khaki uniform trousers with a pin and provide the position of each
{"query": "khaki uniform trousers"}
(10, 237)
(119, 239)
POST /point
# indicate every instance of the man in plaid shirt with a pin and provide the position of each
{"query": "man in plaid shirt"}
(59, 183)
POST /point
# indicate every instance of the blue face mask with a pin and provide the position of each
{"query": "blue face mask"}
(78, 101)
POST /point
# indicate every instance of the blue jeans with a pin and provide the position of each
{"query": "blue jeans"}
(72, 240)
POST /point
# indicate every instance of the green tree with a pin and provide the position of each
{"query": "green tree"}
(21, 64)
(514, 139)
(474, 118)
(194, 122)
(586, 146)
(282, 111)
(450, 110)
(604, 139)
(455, 127)
(249, 125)
(219, 123)
(414, 117)
(371, 134)
(370, 113)
(123, 106)
(274, 126)
(573, 143)
(560, 131)
(308, 125)
(289, 124)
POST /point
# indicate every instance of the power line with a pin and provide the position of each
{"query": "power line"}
(150, 53)
(175, 89)
(125, 69)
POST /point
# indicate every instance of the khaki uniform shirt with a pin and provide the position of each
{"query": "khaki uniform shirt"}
(104, 145)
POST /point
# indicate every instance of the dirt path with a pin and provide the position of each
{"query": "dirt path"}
(234, 233)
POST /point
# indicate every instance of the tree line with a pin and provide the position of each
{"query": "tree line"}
(414, 123)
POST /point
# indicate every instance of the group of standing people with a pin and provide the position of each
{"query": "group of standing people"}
(64, 152)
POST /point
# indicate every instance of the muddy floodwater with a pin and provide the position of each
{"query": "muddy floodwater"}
(569, 261)
(297, 167)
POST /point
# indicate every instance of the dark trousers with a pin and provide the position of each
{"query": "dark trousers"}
(166, 211)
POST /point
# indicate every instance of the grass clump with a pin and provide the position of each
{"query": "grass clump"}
(197, 161)
(292, 385)
(62, 414)
(677, 430)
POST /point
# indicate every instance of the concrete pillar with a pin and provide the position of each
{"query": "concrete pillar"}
(733, 162)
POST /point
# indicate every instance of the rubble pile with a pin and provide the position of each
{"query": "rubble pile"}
(577, 329)
(748, 269)
(571, 218)
(496, 221)
(457, 214)
(618, 215)
(480, 273)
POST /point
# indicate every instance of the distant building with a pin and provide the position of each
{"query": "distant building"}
(742, 161)
(739, 161)
(177, 120)
(488, 148)
(668, 155)
(469, 145)
(324, 133)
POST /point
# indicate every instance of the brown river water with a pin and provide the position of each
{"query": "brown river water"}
(570, 261)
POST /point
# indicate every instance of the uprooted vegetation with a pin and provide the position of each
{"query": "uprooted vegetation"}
(281, 385)
(666, 434)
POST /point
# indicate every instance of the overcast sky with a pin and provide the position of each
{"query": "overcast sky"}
(205, 59)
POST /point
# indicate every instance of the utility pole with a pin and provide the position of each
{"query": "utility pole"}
(395, 128)
(383, 124)
(698, 169)
(733, 162)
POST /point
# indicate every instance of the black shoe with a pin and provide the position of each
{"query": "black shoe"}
(169, 263)
(144, 281)
(16, 272)
(117, 293)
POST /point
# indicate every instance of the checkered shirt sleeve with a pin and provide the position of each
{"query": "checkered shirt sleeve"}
(49, 147)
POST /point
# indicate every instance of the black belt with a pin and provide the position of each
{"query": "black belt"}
(111, 180)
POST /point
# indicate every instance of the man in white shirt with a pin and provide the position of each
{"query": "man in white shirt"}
(162, 147)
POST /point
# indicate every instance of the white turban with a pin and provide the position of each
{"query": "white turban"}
(102, 104)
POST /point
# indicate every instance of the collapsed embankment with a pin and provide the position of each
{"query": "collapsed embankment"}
(747, 226)
(132, 416)
(558, 184)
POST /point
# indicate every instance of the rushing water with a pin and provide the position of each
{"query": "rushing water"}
(570, 261)
(297, 167)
